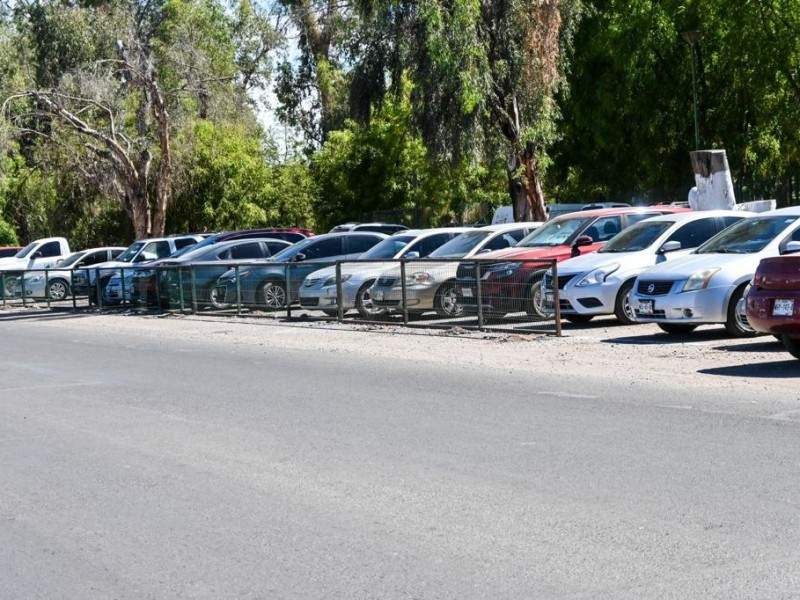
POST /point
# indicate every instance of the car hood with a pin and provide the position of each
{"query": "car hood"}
(517, 252)
(682, 268)
(361, 270)
(590, 262)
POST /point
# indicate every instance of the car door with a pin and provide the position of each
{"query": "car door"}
(45, 256)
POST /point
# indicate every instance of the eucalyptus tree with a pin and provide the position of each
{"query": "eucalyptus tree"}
(482, 71)
(115, 80)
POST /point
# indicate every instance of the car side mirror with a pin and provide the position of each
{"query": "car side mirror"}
(584, 240)
(299, 257)
(37, 254)
(412, 255)
(484, 251)
(670, 246)
(792, 247)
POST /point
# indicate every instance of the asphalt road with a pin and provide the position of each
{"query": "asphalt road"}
(138, 467)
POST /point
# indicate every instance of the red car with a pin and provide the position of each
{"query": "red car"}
(6, 251)
(773, 300)
(508, 284)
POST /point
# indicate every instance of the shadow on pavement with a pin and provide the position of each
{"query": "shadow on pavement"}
(760, 344)
(771, 370)
(41, 314)
(705, 335)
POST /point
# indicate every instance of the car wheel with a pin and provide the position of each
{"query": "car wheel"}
(792, 345)
(214, 299)
(533, 307)
(273, 295)
(57, 289)
(579, 318)
(364, 304)
(676, 328)
(446, 301)
(10, 287)
(623, 309)
(737, 324)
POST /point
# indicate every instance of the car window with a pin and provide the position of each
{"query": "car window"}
(603, 229)
(358, 244)
(50, 249)
(250, 250)
(427, 245)
(275, 247)
(95, 257)
(728, 221)
(184, 243)
(636, 217)
(505, 240)
(325, 248)
(694, 234)
(154, 250)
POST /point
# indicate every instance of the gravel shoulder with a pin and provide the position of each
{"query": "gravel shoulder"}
(601, 350)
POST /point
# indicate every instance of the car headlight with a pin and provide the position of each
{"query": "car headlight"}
(420, 277)
(597, 276)
(500, 270)
(699, 279)
(332, 280)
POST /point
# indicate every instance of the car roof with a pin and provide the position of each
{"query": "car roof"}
(789, 210)
(509, 226)
(700, 214)
(627, 210)
(99, 248)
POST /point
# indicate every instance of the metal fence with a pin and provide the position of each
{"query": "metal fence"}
(469, 293)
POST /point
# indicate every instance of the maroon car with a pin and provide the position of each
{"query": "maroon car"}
(6, 251)
(773, 301)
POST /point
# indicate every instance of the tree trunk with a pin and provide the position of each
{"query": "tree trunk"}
(527, 195)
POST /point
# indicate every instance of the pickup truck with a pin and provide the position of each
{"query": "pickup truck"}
(39, 254)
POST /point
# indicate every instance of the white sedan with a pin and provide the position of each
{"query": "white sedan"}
(708, 285)
(600, 283)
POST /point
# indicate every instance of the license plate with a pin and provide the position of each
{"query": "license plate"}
(783, 308)
(646, 307)
(549, 298)
(466, 292)
(378, 296)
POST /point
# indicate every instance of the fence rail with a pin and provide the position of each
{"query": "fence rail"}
(470, 293)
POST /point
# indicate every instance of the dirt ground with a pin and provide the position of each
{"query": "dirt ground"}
(601, 349)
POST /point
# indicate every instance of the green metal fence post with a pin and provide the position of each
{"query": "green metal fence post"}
(479, 295)
(158, 289)
(98, 290)
(556, 298)
(46, 286)
(238, 292)
(288, 279)
(180, 289)
(339, 295)
(403, 291)
(22, 286)
(193, 289)
(5, 291)
(72, 290)
(122, 283)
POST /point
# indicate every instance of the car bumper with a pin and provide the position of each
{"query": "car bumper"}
(417, 297)
(697, 307)
(326, 298)
(587, 300)
(761, 311)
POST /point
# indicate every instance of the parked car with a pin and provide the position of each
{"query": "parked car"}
(289, 234)
(39, 254)
(431, 285)
(278, 281)
(200, 268)
(319, 290)
(707, 286)
(511, 279)
(56, 283)
(773, 298)
(9, 251)
(387, 228)
(601, 283)
(141, 251)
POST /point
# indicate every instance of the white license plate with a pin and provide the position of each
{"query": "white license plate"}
(783, 308)
(466, 292)
(646, 307)
(549, 298)
(378, 296)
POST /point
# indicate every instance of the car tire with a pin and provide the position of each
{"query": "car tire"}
(623, 309)
(736, 323)
(273, 294)
(57, 289)
(534, 300)
(792, 345)
(579, 318)
(364, 305)
(676, 328)
(213, 302)
(446, 301)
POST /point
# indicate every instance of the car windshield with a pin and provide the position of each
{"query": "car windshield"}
(460, 245)
(70, 260)
(555, 232)
(388, 248)
(748, 236)
(636, 237)
(26, 250)
(192, 247)
(130, 252)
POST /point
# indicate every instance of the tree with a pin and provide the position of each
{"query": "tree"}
(479, 71)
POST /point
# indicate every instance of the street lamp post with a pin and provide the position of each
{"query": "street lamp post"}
(691, 38)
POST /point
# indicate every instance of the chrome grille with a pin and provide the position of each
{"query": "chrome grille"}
(654, 288)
